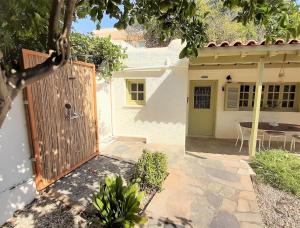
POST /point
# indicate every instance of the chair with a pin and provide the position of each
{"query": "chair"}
(293, 142)
(244, 134)
(276, 134)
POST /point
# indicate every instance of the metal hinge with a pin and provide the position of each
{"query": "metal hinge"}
(25, 102)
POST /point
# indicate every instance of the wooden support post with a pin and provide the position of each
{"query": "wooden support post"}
(256, 109)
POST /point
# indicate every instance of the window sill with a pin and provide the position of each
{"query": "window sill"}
(263, 110)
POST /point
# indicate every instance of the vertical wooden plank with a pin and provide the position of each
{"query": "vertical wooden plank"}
(95, 110)
(256, 109)
(33, 130)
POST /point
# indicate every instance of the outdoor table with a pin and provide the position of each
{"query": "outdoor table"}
(266, 126)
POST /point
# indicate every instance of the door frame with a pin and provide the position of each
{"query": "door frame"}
(215, 94)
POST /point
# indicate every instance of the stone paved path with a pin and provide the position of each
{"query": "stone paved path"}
(202, 190)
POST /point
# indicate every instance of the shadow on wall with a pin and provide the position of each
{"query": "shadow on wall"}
(167, 103)
(16, 184)
(104, 109)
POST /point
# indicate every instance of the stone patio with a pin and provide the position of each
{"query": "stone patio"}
(204, 188)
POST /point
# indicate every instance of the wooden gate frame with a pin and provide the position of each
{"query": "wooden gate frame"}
(31, 124)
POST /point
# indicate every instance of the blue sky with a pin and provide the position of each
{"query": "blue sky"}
(87, 25)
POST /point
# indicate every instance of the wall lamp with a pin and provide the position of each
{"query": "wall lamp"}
(229, 80)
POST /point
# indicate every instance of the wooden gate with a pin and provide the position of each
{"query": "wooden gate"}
(63, 118)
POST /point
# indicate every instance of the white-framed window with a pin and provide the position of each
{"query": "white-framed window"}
(289, 96)
(245, 95)
(273, 93)
(275, 96)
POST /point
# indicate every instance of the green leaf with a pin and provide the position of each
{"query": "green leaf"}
(192, 9)
(183, 53)
(164, 6)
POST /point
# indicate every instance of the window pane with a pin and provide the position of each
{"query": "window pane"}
(202, 97)
(246, 96)
(277, 88)
(284, 104)
(271, 88)
(133, 87)
(291, 104)
(286, 88)
(292, 96)
(141, 87)
(293, 88)
(276, 96)
(270, 96)
(141, 96)
(133, 96)
(285, 96)
(247, 88)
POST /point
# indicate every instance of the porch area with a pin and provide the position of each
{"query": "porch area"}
(195, 146)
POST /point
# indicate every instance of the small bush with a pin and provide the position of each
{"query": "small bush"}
(150, 170)
(118, 205)
(278, 168)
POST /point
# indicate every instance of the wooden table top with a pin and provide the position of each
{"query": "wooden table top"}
(266, 126)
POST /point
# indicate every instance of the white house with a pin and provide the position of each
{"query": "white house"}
(164, 99)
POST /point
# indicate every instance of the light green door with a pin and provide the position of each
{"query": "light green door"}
(202, 108)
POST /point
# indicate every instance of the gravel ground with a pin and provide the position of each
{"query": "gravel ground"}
(278, 208)
(78, 187)
(46, 212)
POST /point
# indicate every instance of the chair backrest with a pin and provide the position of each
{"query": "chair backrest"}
(243, 132)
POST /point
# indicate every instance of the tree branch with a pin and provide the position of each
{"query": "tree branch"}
(79, 3)
(11, 85)
(53, 31)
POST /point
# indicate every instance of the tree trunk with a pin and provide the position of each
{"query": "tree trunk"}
(6, 97)
(11, 85)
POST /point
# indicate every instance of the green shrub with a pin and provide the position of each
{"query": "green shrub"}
(150, 170)
(118, 205)
(278, 168)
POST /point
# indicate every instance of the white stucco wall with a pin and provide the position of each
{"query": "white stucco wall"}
(104, 106)
(162, 119)
(225, 120)
(16, 176)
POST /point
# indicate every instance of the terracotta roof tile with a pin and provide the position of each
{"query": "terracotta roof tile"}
(251, 43)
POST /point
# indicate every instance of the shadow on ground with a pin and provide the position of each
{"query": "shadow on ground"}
(81, 184)
(170, 223)
(214, 146)
(79, 187)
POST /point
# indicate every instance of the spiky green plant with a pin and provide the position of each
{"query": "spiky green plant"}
(117, 204)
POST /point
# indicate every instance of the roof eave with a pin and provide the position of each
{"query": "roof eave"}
(257, 50)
